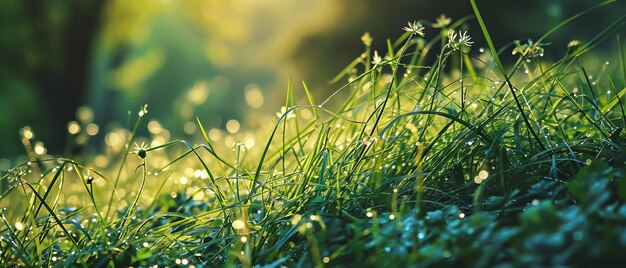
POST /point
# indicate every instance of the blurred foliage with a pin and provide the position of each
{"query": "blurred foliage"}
(116, 55)
(197, 54)
(44, 51)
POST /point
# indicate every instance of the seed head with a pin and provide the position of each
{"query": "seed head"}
(141, 150)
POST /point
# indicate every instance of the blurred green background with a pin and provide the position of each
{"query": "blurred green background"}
(215, 59)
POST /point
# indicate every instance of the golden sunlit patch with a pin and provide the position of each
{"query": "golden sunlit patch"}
(132, 73)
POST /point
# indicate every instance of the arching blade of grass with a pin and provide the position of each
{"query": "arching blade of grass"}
(622, 59)
(478, 131)
(496, 58)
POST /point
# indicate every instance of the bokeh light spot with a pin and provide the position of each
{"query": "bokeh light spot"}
(254, 96)
(232, 126)
(73, 127)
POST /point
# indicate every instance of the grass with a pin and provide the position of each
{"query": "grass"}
(439, 156)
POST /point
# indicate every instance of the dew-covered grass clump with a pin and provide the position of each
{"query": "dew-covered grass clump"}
(434, 152)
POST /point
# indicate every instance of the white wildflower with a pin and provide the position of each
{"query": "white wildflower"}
(456, 40)
(415, 28)
(465, 39)
(376, 59)
(452, 40)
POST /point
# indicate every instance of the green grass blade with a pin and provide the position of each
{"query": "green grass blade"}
(52, 213)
